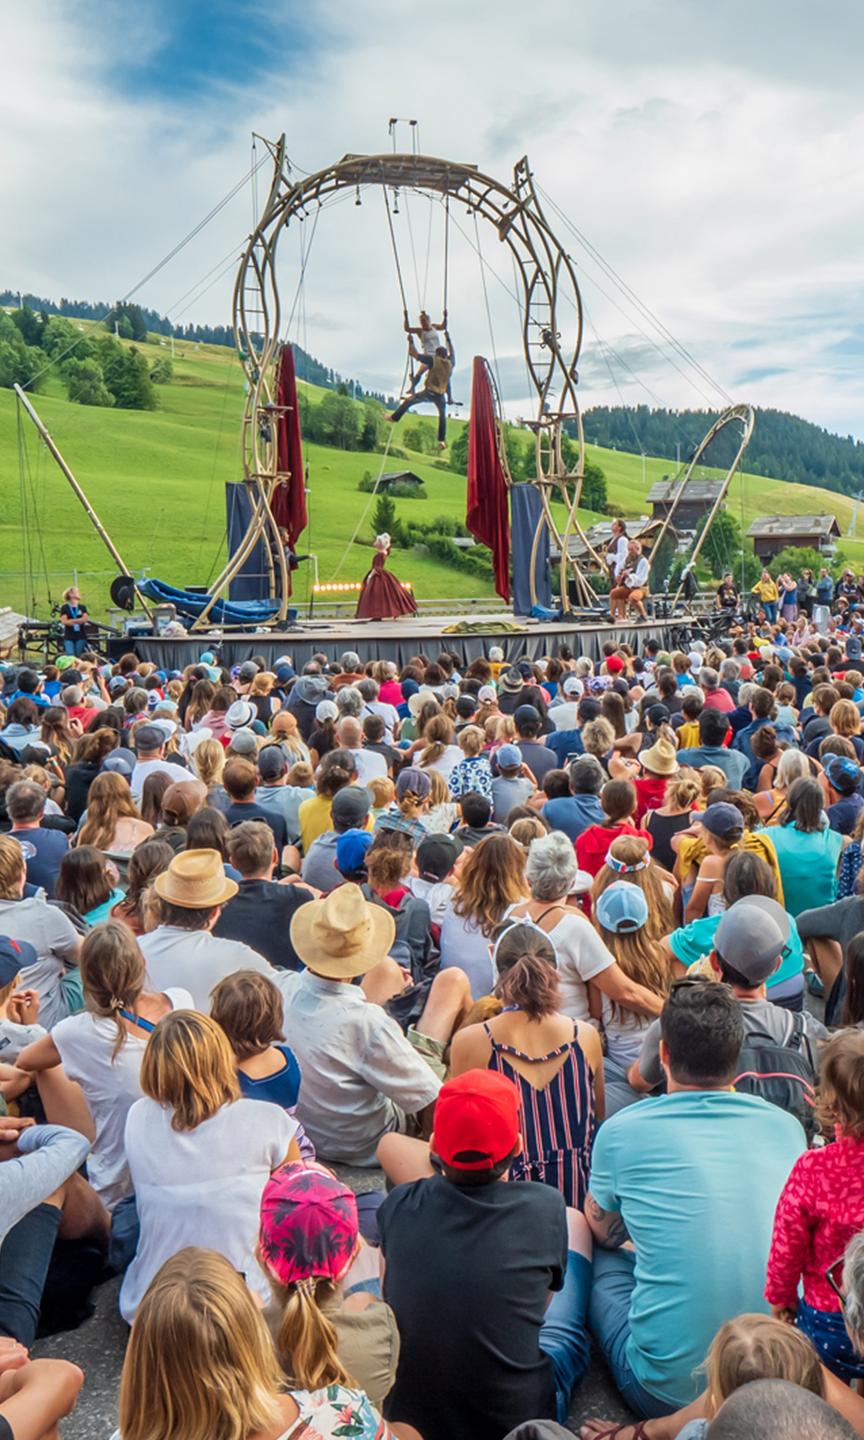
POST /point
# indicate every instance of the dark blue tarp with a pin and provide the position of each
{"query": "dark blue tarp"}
(525, 511)
(253, 581)
(189, 604)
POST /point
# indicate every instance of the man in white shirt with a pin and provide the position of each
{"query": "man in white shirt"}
(182, 951)
(362, 1078)
(564, 710)
(370, 765)
(632, 586)
(149, 743)
(369, 689)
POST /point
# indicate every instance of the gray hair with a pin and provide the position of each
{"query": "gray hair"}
(777, 1410)
(25, 800)
(368, 688)
(349, 701)
(350, 661)
(708, 678)
(584, 667)
(586, 775)
(793, 765)
(746, 692)
(551, 866)
(730, 669)
(72, 695)
(853, 1285)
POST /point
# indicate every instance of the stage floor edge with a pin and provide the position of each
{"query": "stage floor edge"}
(399, 640)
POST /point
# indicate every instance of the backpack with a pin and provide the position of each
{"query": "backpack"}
(780, 1074)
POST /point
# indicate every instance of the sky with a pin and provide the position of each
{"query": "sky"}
(711, 153)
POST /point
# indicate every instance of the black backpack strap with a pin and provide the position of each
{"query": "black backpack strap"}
(799, 1030)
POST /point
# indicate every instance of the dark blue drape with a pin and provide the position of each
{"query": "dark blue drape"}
(525, 512)
(252, 583)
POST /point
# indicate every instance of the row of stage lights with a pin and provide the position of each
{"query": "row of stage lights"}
(353, 585)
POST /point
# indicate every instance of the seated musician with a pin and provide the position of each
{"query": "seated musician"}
(633, 584)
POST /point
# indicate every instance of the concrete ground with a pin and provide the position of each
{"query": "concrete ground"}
(99, 1344)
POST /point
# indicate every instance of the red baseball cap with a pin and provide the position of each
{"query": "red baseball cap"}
(476, 1114)
(614, 664)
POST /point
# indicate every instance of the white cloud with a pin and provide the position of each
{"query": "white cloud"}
(711, 154)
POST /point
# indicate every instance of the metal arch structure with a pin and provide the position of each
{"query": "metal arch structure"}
(740, 415)
(547, 276)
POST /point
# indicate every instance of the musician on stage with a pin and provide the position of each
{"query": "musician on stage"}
(616, 559)
(633, 583)
(73, 618)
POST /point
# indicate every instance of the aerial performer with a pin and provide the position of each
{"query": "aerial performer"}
(434, 393)
(429, 336)
(382, 596)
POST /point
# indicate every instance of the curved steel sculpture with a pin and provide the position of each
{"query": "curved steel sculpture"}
(547, 277)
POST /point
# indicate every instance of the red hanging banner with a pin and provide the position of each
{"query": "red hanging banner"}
(289, 498)
(487, 516)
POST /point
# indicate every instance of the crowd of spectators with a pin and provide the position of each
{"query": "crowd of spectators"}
(571, 950)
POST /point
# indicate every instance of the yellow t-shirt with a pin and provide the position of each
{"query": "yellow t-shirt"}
(315, 817)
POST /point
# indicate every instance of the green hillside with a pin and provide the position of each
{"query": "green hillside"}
(156, 480)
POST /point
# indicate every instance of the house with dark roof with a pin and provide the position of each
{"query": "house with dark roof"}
(772, 533)
(696, 501)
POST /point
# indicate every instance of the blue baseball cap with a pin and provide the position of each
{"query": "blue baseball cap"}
(351, 850)
(720, 819)
(843, 774)
(15, 955)
(621, 907)
(509, 757)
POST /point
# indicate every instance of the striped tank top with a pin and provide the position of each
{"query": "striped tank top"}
(558, 1121)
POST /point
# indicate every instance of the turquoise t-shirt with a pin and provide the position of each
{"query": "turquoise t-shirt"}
(693, 941)
(103, 912)
(696, 1176)
(808, 862)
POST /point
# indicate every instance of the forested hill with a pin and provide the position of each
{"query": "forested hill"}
(782, 445)
(135, 322)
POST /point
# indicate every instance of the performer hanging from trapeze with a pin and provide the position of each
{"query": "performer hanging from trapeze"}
(434, 393)
(429, 336)
(382, 596)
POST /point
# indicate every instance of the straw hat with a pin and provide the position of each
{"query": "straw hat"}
(195, 880)
(343, 935)
(660, 759)
(416, 702)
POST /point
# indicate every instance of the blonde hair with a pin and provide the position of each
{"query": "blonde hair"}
(471, 740)
(113, 972)
(382, 790)
(758, 1347)
(844, 718)
(598, 737)
(188, 1066)
(108, 800)
(208, 759)
(711, 777)
(306, 1342)
(440, 792)
(200, 1363)
(683, 790)
(12, 867)
(263, 683)
(437, 735)
(526, 829)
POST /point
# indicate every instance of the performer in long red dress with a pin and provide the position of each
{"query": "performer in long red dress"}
(382, 597)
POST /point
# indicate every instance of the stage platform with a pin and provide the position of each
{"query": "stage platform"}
(398, 640)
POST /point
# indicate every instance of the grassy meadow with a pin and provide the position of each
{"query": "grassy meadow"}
(156, 478)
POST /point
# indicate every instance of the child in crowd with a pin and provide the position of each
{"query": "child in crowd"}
(248, 1007)
(19, 1009)
(819, 1211)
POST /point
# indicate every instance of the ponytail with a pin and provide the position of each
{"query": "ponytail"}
(306, 1343)
(527, 970)
(112, 974)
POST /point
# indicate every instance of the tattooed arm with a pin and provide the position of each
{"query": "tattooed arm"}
(607, 1226)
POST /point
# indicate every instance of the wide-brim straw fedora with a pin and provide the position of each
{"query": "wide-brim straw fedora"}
(660, 759)
(194, 880)
(343, 935)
